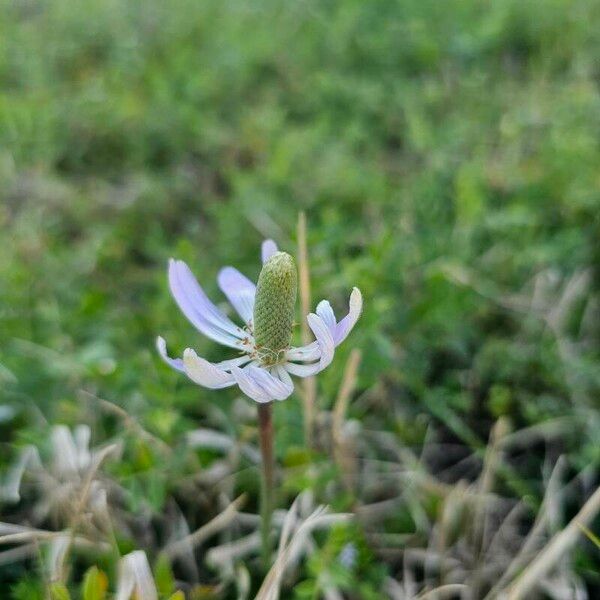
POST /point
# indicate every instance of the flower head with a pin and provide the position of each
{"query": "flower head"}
(274, 307)
(263, 370)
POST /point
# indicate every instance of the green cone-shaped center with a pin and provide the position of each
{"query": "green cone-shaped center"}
(274, 306)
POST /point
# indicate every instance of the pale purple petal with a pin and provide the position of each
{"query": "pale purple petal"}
(200, 311)
(344, 327)
(324, 339)
(273, 386)
(249, 386)
(204, 373)
(309, 352)
(323, 350)
(325, 311)
(240, 291)
(233, 362)
(175, 363)
(269, 247)
(302, 370)
(341, 330)
(284, 375)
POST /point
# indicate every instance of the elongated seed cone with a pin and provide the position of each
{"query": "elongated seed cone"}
(274, 305)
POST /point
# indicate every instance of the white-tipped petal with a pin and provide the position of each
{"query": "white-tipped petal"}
(233, 362)
(309, 352)
(325, 311)
(175, 363)
(268, 248)
(204, 373)
(240, 291)
(274, 387)
(200, 311)
(324, 339)
(340, 330)
(284, 376)
(344, 327)
(249, 386)
(302, 370)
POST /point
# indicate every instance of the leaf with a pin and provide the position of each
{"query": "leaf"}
(163, 576)
(58, 591)
(589, 534)
(95, 584)
(28, 589)
(179, 595)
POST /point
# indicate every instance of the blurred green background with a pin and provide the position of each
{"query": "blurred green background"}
(446, 155)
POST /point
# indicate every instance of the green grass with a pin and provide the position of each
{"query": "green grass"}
(446, 155)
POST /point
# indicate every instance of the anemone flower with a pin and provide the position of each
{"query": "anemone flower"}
(267, 359)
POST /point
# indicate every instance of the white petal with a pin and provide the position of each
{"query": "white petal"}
(302, 370)
(324, 339)
(344, 327)
(200, 311)
(284, 376)
(135, 578)
(309, 352)
(249, 386)
(273, 386)
(325, 311)
(233, 362)
(240, 291)
(64, 450)
(204, 373)
(175, 363)
(269, 247)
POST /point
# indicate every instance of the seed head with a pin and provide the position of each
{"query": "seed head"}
(274, 306)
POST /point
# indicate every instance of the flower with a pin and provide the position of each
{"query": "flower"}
(348, 555)
(263, 370)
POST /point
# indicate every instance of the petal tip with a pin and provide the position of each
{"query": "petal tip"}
(268, 248)
(189, 353)
(356, 299)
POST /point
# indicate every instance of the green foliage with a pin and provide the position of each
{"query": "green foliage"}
(95, 584)
(446, 155)
(357, 572)
(59, 591)
(28, 589)
(163, 576)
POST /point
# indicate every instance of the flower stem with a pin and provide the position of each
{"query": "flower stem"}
(265, 427)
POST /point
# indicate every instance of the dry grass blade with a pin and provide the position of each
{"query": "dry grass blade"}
(222, 556)
(545, 431)
(286, 531)
(220, 522)
(450, 590)
(10, 489)
(215, 440)
(58, 548)
(79, 512)
(130, 422)
(546, 560)
(485, 485)
(135, 578)
(532, 543)
(590, 535)
(26, 536)
(342, 455)
(17, 554)
(287, 555)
